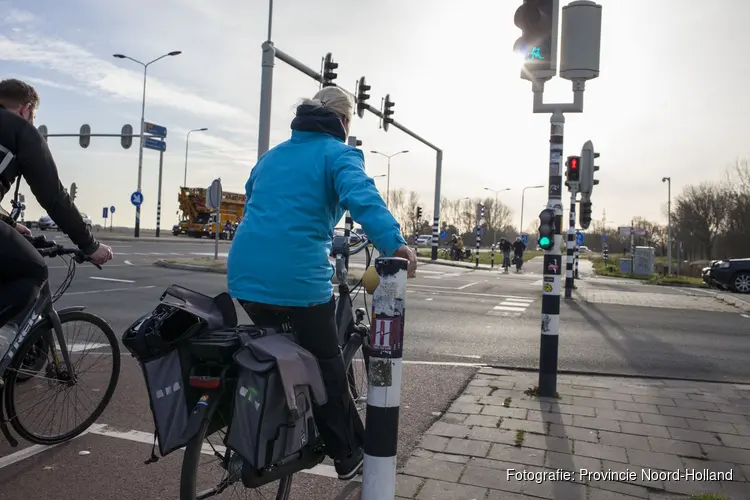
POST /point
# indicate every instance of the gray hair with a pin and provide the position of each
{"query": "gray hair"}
(334, 99)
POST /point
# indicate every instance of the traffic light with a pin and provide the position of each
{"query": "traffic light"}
(547, 229)
(84, 136)
(588, 157)
(480, 213)
(328, 75)
(387, 111)
(585, 215)
(419, 213)
(43, 130)
(573, 172)
(73, 191)
(126, 137)
(538, 21)
(362, 96)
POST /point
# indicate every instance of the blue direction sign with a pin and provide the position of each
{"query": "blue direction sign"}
(136, 198)
(112, 209)
(443, 234)
(150, 143)
(604, 237)
(579, 238)
(154, 129)
(105, 212)
(525, 239)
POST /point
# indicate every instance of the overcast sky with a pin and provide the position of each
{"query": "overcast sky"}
(671, 99)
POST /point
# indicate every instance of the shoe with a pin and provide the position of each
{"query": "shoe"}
(350, 466)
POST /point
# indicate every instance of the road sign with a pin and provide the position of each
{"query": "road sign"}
(443, 234)
(153, 129)
(525, 239)
(579, 238)
(112, 209)
(136, 198)
(104, 212)
(604, 237)
(158, 145)
(213, 200)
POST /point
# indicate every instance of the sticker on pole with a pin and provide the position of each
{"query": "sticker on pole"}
(136, 199)
(387, 336)
(579, 238)
(213, 198)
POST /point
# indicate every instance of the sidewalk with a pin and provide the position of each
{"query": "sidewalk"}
(603, 439)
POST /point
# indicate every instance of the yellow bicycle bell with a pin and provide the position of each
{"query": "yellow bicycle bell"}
(370, 280)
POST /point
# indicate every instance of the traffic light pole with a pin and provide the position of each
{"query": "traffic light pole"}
(270, 54)
(552, 279)
(571, 245)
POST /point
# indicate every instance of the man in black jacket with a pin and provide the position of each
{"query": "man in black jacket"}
(24, 153)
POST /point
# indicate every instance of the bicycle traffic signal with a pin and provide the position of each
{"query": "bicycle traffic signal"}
(73, 191)
(362, 96)
(547, 229)
(328, 75)
(573, 171)
(588, 157)
(585, 216)
(538, 21)
(387, 111)
(419, 213)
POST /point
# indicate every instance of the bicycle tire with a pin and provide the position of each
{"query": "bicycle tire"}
(34, 336)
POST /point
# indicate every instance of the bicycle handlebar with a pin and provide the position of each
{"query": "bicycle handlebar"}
(51, 249)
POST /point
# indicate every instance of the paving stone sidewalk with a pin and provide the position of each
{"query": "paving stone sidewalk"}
(637, 438)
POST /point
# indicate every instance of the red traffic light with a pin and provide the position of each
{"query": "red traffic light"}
(574, 163)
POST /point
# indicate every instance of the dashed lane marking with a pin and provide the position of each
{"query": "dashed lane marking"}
(100, 278)
(511, 307)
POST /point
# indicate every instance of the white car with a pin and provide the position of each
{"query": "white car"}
(46, 222)
(583, 249)
(424, 239)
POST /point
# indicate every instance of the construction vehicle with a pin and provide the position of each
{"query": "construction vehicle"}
(197, 220)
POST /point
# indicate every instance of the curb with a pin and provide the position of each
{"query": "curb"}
(447, 263)
(102, 236)
(202, 269)
(733, 301)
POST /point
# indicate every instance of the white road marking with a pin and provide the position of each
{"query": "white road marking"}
(507, 308)
(472, 356)
(444, 289)
(111, 290)
(745, 316)
(128, 263)
(36, 449)
(428, 298)
(110, 279)
(467, 285)
(512, 306)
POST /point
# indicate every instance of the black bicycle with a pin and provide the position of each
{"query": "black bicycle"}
(42, 352)
(276, 481)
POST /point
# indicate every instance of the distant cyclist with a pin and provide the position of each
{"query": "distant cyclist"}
(24, 153)
(518, 249)
(296, 194)
(505, 247)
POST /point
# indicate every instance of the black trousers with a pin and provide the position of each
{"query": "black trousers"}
(22, 272)
(315, 327)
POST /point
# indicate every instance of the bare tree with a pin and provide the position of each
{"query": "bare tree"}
(411, 211)
(397, 207)
(700, 215)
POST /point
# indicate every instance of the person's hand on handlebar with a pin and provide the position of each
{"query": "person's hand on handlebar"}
(407, 253)
(22, 229)
(102, 255)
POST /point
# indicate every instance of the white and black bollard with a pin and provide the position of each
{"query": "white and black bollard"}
(384, 386)
(570, 246)
(492, 257)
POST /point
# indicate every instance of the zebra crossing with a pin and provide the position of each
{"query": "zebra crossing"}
(511, 306)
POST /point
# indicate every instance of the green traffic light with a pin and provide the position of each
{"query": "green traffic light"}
(545, 242)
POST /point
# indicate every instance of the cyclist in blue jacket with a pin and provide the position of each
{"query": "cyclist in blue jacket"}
(278, 265)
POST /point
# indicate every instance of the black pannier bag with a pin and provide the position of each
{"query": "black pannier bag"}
(277, 385)
(160, 343)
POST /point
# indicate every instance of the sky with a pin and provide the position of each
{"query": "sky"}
(670, 99)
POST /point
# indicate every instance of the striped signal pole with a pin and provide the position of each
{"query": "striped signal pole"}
(384, 384)
(570, 245)
(480, 217)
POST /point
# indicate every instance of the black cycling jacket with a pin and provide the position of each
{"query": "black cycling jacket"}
(25, 153)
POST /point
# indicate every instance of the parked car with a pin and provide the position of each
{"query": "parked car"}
(732, 274)
(583, 249)
(424, 239)
(46, 222)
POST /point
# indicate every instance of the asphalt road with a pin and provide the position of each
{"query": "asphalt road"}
(457, 318)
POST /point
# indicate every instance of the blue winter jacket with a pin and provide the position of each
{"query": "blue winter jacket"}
(296, 194)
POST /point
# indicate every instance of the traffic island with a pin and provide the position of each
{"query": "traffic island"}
(599, 438)
(219, 266)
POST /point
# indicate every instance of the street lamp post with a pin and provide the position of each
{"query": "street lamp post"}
(187, 141)
(143, 112)
(388, 175)
(668, 180)
(496, 191)
(523, 197)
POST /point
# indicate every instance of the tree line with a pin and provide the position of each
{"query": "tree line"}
(457, 216)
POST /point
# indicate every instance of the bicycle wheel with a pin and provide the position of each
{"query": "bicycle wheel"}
(59, 381)
(357, 362)
(226, 481)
